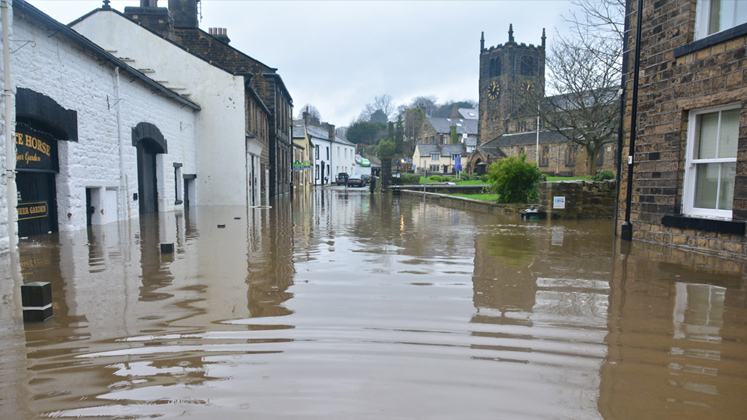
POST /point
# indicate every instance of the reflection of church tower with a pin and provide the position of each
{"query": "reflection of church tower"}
(503, 70)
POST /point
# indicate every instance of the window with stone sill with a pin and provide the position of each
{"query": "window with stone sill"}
(711, 162)
(713, 16)
(435, 156)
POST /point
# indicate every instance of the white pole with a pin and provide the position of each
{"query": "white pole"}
(538, 134)
(10, 144)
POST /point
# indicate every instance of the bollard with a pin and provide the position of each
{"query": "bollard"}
(36, 299)
(167, 247)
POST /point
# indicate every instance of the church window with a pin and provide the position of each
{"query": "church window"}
(571, 154)
(545, 156)
(527, 66)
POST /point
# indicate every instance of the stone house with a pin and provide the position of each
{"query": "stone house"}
(179, 23)
(689, 152)
(96, 140)
(439, 159)
(438, 130)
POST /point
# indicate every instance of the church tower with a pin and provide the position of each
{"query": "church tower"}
(504, 70)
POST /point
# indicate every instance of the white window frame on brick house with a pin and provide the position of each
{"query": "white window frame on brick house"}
(693, 163)
(704, 25)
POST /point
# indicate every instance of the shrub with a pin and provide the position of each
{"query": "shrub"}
(435, 178)
(484, 178)
(386, 149)
(409, 178)
(514, 179)
(464, 176)
(604, 175)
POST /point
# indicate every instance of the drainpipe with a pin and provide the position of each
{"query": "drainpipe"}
(124, 192)
(627, 228)
(10, 146)
(620, 131)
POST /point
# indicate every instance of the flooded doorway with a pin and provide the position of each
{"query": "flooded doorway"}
(146, 176)
(37, 166)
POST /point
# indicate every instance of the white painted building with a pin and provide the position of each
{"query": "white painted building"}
(96, 140)
(344, 161)
(331, 154)
(223, 153)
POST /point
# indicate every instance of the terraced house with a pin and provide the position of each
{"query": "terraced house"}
(689, 152)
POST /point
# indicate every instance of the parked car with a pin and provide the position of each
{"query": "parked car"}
(366, 178)
(356, 180)
(342, 177)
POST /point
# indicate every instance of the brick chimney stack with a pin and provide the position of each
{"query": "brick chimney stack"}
(221, 34)
(184, 13)
(330, 131)
(306, 116)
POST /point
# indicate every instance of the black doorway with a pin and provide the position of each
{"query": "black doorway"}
(37, 208)
(146, 176)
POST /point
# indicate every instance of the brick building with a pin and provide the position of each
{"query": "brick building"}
(689, 176)
(179, 22)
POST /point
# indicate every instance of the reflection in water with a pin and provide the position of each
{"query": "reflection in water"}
(339, 304)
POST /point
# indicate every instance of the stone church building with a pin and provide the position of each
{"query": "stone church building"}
(507, 127)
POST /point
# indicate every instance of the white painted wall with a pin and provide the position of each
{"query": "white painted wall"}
(4, 179)
(77, 80)
(219, 127)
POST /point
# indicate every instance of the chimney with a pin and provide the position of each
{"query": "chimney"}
(153, 17)
(330, 131)
(221, 34)
(184, 13)
(306, 116)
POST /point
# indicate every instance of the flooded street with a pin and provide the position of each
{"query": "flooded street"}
(340, 304)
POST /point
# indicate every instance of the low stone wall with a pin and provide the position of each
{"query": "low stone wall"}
(442, 188)
(583, 199)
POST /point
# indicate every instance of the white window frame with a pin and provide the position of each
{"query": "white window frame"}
(436, 157)
(688, 194)
(703, 18)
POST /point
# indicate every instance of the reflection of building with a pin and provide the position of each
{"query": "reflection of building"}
(690, 150)
(675, 346)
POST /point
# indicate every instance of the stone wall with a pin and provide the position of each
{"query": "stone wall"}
(583, 199)
(680, 74)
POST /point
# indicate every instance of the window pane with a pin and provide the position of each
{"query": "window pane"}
(706, 185)
(727, 147)
(714, 23)
(740, 15)
(726, 195)
(705, 139)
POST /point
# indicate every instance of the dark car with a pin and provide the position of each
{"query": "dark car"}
(366, 179)
(356, 181)
(342, 177)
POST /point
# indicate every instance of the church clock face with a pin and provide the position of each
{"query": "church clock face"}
(527, 87)
(494, 89)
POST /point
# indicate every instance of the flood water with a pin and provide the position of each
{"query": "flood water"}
(344, 305)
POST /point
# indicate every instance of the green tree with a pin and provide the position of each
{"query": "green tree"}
(379, 116)
(390, 132)
(399, 135)
(365, 132)
(386, 149)
(514, 179)
(453, 134)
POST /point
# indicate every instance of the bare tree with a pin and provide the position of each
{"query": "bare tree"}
(381, 103)
(428, 103)
(584, 78)
(314, 114)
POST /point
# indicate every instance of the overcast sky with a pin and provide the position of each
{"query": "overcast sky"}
(339, 55)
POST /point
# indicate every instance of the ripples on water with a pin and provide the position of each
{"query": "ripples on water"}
(346, 305)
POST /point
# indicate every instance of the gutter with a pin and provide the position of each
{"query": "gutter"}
(10, 146)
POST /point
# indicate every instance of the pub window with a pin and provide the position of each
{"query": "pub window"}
(545, 156)
(714, 16)
(711, 162)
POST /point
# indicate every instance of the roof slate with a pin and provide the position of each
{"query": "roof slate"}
(443, 125)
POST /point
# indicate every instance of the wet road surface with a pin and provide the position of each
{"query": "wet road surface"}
(340, 304)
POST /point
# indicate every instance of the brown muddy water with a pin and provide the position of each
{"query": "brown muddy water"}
(344, 305)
